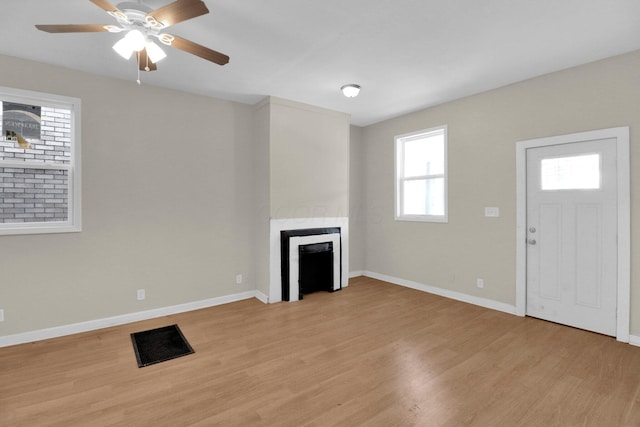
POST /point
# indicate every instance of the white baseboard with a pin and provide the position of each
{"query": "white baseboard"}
(262, 297)
(459, 296)
(93, 325)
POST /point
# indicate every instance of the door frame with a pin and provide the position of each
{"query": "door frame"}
(621, 136)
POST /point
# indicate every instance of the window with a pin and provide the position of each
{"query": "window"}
(39, 163)
(421, 175)
(570, 173)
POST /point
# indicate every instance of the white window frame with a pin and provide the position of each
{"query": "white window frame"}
(399, 175)
(74, 202)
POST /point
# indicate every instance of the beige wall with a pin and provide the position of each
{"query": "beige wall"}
(261, 195)
(166, 202)
(483, 130)
(357, 250)
(309, 152)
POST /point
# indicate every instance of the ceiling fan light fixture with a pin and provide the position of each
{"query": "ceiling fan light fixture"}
(135, 39)
(140, 24)
(155, 52)
(350, 90)
(123, 48)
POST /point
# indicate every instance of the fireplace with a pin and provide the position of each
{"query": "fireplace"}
(304, 256)
(302, 247)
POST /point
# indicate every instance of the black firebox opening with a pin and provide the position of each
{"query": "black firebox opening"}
(315, 268)
(285, 235)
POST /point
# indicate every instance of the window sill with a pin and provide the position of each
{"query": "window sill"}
(38, 228)
(423, 218)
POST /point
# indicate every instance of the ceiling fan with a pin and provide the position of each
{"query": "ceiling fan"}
(142, 25)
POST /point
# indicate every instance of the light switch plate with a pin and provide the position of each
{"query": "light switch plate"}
(492, 212)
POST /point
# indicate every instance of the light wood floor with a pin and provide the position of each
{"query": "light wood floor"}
(372, 354)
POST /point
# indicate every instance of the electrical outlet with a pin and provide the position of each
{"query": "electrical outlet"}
(1, 315)
(140, 294)
(480, 283)
(238, 279)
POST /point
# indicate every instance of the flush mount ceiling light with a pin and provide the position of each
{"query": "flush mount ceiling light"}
(350, 90)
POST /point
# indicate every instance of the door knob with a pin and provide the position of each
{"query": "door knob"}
(531, 241)
(532, 229)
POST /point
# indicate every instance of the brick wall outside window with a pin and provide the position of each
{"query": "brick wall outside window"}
(37, 195)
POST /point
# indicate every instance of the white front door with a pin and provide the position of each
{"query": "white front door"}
(571, 228)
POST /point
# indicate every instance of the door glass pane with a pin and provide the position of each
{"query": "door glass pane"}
(571, 173)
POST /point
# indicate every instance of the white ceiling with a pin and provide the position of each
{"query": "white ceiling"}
(406, 54)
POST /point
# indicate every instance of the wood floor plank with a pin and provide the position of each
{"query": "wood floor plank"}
(372, 354)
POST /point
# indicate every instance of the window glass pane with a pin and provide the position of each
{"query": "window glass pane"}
(424, 156)
(415, 197)
(571, 173)
(33, 195)
(424, 197)
(435, 192)
(46, 131)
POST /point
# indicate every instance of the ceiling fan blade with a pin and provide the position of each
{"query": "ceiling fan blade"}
(73, 28)
(198, 50)
(105, 5)
(178, 11)
(144, 63)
